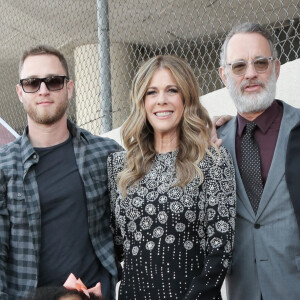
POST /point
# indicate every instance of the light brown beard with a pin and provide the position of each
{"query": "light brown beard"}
(47, 119)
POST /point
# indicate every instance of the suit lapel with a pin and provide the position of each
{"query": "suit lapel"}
(277, 169)
(292, 169)
(229, 142)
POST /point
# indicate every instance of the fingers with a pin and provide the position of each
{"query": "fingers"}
(221, 120)
(214, 137)
(216, 141)
(217, 122)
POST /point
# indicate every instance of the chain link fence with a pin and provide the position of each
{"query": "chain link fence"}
(106, 41)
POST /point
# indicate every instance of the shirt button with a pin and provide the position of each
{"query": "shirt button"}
(34, 156)
(256, 226)
(19, 194)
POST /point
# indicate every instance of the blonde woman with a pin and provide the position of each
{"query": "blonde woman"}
(172, 192)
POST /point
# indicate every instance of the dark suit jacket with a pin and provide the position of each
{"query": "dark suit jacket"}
(292, 168)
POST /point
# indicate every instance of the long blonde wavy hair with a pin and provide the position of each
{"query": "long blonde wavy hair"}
(138, 135)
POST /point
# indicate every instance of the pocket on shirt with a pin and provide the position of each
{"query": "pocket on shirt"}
(99, 181)
(97, 188)
(16, 203)
(18, 216)
(98, 178)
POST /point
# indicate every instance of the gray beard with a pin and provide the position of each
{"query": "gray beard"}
(255, 102)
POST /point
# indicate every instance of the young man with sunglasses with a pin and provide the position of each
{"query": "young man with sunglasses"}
(266, 256)
(54, 208)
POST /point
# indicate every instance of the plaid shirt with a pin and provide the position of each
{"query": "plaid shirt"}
(20, 215)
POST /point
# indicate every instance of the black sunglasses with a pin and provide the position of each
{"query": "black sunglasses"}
(53, 83)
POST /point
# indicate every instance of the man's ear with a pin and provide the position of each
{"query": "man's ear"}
(19, 92)
(223, 75)
(70, 88)
(277, 68)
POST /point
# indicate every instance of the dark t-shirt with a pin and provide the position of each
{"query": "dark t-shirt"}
(65, 245)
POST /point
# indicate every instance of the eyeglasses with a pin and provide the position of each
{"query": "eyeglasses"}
(240, 67)
(53, 83)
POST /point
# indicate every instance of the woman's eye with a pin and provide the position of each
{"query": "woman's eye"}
(174, 91)
(151, 92)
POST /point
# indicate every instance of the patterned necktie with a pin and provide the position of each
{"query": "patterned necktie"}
(250, 166)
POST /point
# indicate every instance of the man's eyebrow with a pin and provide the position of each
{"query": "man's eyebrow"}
(255, 57)
(47, 75)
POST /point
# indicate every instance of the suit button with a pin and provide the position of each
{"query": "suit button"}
(256, 226)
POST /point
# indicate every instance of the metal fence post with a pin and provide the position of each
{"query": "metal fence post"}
(104, 66)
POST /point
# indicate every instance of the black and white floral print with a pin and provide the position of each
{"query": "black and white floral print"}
(176, 242)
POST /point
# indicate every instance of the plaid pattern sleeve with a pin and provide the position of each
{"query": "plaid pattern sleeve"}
(4, 235)
(115, 164)
(20, 231)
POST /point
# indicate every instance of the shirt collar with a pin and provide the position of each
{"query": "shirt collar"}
(27, 150)
(77, 132)
(263, 121)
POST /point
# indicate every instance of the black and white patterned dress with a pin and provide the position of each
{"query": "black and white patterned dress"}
(176, 242)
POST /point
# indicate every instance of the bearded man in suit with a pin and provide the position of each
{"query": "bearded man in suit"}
(266, 257)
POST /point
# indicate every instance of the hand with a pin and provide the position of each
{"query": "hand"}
(218, 121)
